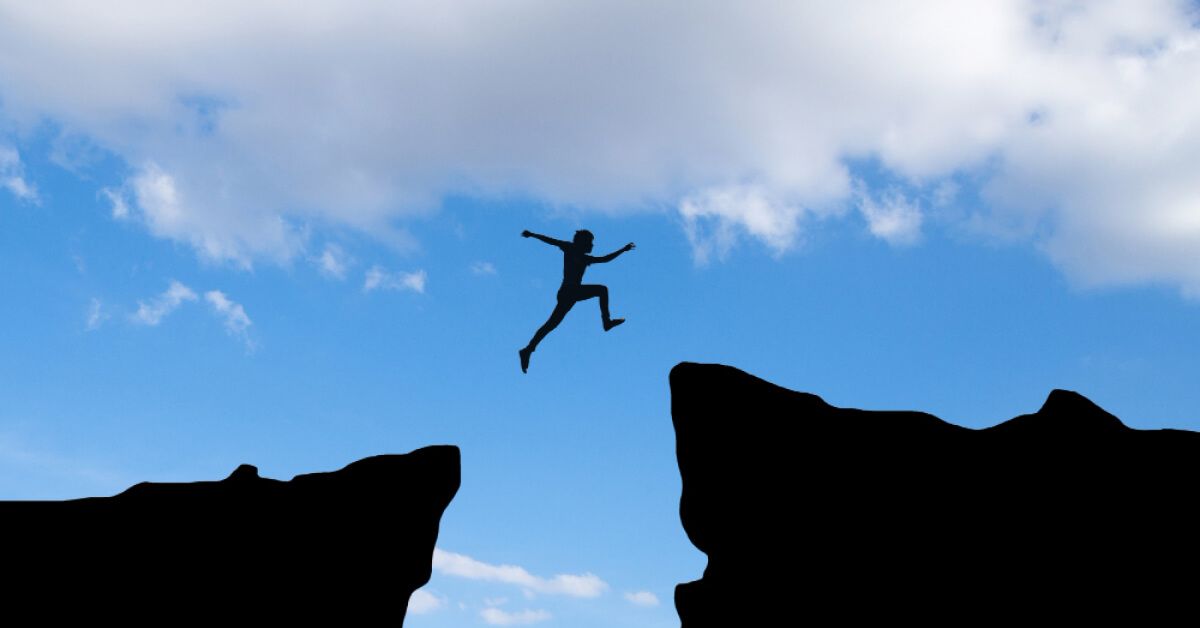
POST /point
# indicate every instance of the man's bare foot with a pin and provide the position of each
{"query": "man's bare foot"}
(613, 323)
(524, 353)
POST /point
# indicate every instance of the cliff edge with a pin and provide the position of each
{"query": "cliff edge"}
(809, 512)
(346, 547)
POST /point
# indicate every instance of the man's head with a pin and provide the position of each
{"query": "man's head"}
(583, 240)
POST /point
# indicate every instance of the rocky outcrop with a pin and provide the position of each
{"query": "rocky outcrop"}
(346, 547)
(812, 513)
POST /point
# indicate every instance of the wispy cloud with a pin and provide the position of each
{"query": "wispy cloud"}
(237, 323)
(641, 598)
(424, 602)
(379, 279)
(483, 268)
(583, 585)
(152, 312)
(497, 617)
(12, 175)
(333, 262)
(96, 315)
(117, 202)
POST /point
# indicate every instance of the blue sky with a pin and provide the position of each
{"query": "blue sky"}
(297, 244)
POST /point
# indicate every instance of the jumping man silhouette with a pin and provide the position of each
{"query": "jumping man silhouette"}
(575, 261)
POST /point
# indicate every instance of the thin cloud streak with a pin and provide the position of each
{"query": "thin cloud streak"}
(583, 585)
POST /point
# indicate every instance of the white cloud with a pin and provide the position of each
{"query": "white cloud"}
(483, 268)
(217, 232)
(152, 312)
(715, 219)
(424, 602)
(892, 218)
(497, 617)
(96, 315)
(1081, 120)
(237, 323)
(642, 598)
(584, 585)
(12, 175)
(233, 316)
(379, 279)
(116, 199)
(333, 262)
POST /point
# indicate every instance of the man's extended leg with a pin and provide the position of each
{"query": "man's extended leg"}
(556, 317)
(588, 291)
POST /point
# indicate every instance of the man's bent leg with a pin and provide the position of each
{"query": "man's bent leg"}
(588, 291)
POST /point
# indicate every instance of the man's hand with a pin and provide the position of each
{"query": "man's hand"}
(629, 247)
(526, 233)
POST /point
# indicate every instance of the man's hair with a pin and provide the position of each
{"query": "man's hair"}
(583, 235)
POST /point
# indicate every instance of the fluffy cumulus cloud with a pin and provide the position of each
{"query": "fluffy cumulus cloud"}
(246, 124)
(152, 312)
(714, 219)
(217, 230)
(12, 175)
(892, 217)
(582, 585)
(497, 617)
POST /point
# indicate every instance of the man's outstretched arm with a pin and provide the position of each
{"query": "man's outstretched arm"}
(547, 239)
(611, 256)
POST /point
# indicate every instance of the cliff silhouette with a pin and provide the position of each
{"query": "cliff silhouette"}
(346, 547)
(809, 512)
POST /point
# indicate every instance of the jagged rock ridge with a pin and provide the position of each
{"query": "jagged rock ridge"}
(812, 513)
(346, 547)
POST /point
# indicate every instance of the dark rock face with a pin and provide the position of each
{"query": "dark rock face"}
(341, 548)
(814, 514)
